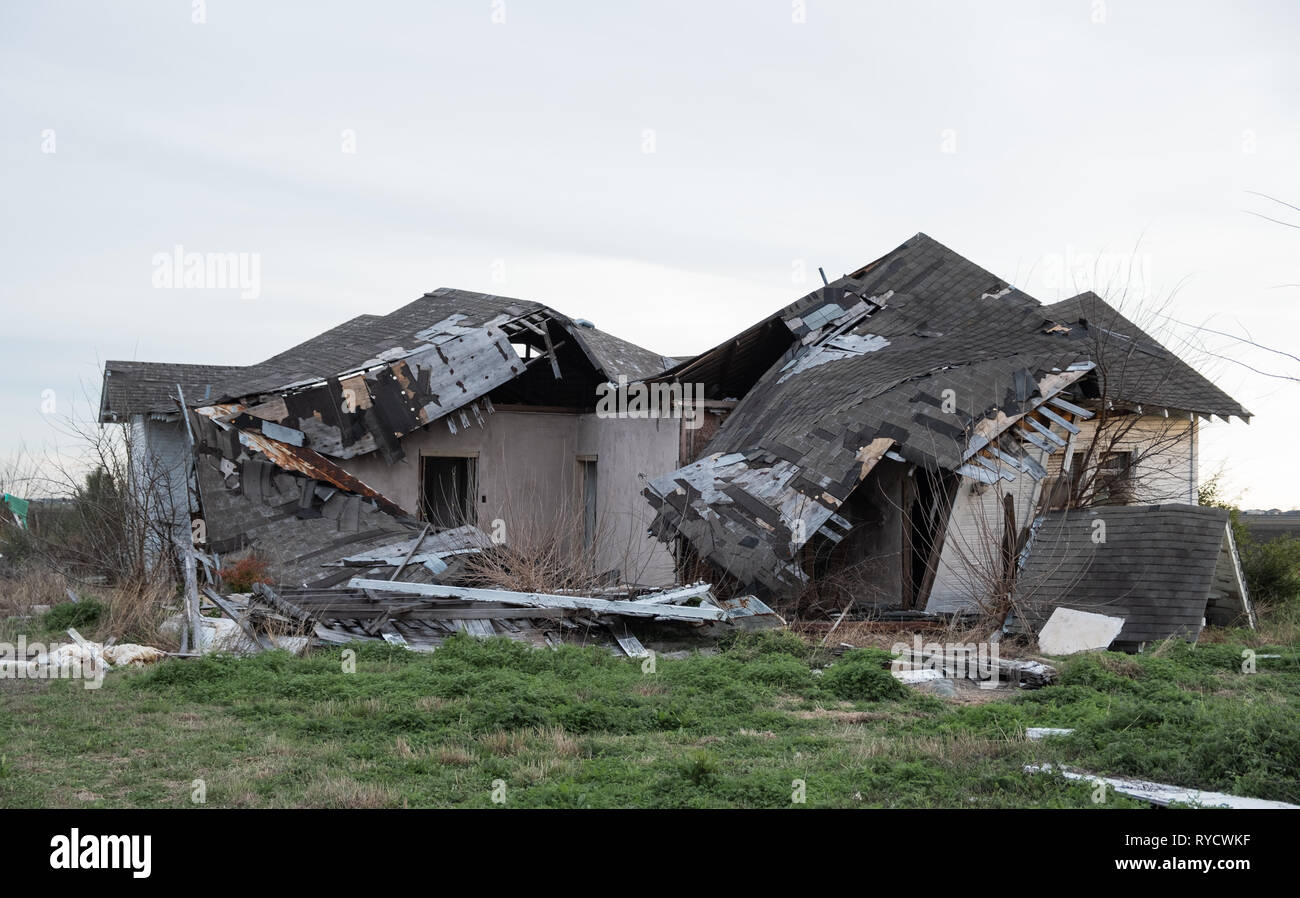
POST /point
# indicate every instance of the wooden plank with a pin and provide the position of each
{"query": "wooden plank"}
(415, 545)
(1043, 429)
(284, 607)
(632, 646)
(1027, 434)
(191, 597)
(676, 596)
(1069, 407)
(1057, 419)
(479, 627)
(544, 600)
(231, 613)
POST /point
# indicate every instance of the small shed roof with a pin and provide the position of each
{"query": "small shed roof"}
(1165, 569)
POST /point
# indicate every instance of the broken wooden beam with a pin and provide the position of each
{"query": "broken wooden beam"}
(288, 609)
(1030, 674)
(676, 596)
(229, 611)
(415, 545)
(544, 600)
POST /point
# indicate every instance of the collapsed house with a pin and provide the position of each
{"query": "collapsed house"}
(390, 447)
(458, 408)
(904, 426)
(906, 431)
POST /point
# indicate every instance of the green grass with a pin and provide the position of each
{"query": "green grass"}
(85, 613)
(579, 727)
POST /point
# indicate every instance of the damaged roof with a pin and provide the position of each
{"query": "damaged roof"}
(616, 357)
(921, 354)
(1138, 369)
(1165, 569)
(149, 388)
(270, 438)
(362, 342)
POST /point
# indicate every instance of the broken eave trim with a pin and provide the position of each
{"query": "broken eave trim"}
(986, 432)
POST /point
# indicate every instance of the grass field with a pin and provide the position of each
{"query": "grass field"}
(483, 720)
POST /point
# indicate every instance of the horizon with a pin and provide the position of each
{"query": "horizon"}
(633, 168)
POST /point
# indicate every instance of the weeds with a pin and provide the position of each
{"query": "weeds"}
(83, 614)
(579, 727)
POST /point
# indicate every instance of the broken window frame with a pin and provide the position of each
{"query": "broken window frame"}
(1111, 478)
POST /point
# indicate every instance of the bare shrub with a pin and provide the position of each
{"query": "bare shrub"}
(543, 552)
(35, 586)
(101, 519)
(136, 611)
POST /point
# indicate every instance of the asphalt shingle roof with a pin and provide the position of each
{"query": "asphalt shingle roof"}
(1155, 567)
(1138, 368)
(150, 387)
(921, 349)
(135, 387)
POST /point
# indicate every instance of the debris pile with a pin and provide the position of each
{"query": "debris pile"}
(421, 616)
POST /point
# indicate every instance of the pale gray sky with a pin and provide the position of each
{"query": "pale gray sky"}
(664, 169)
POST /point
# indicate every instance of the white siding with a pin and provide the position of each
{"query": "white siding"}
(1165, 472)
(160, 456)
(972, 547)
(1166, 456)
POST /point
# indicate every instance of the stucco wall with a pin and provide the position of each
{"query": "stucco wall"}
(526, 466)
(529, 478)
(629, 451)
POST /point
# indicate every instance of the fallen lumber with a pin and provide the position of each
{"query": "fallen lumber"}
(407, 560)
(628, 608)
(749, 612)
(229, 611)
(286, 608)
(1035, 734)
(675, 596)
(632, 646)
(1161, 794)
(967, 664)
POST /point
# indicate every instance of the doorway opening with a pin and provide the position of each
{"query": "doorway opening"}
(447, 488)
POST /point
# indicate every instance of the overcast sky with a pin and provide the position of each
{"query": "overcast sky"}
(668, 171)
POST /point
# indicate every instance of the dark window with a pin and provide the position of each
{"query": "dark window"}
(1111, 480)
(447, 487)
